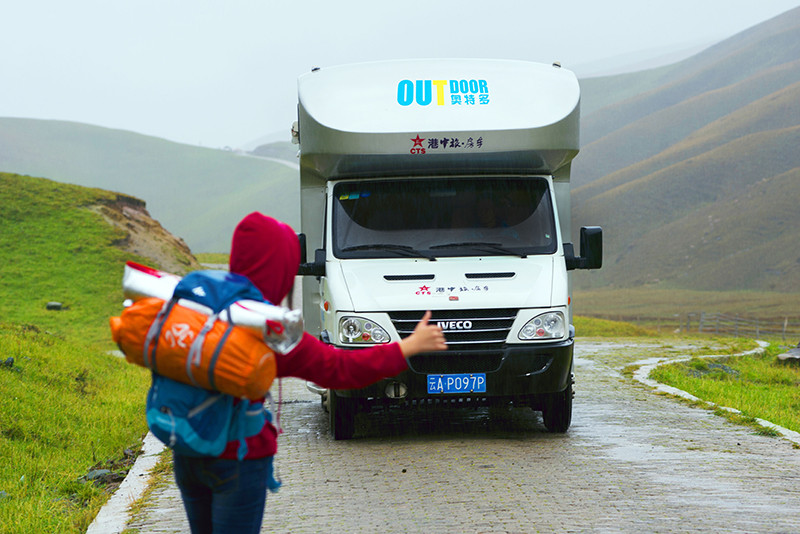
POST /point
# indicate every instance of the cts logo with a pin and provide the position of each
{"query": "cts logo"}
(418, 148)
(454, 325)
(468, 92)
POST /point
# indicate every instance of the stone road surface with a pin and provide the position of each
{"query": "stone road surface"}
(633, 461)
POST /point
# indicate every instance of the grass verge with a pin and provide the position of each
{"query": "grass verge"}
(672, 305)
(70, 418)
(71, 414)
(213, 258)
(759, 386)
(592, 327)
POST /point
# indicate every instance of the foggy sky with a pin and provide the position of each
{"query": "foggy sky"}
(223, 73)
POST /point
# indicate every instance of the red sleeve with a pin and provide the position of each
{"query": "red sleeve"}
(335, 368)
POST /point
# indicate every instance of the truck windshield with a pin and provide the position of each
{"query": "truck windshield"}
(441, 217)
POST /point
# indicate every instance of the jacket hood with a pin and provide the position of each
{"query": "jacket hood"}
(267, 252)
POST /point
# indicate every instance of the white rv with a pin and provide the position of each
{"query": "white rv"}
(443, 185)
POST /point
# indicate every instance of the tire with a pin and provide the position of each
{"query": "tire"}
(342, 414)
(557, 410)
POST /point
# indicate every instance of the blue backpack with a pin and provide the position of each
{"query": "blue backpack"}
(194, 421)
(197, 422)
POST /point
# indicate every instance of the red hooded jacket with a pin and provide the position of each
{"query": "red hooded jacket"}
(267, 251)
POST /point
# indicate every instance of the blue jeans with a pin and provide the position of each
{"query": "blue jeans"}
(221, 495)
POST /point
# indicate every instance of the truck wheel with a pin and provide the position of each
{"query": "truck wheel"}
(342, 414)
(557, 410)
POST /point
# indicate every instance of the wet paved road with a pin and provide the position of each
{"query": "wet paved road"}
(633, 461)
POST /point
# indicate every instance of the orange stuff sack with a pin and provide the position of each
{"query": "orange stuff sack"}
(244, 366)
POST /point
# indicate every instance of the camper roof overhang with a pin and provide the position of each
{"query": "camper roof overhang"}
(436, 117)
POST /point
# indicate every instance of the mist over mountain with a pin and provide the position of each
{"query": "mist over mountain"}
(693, 169)
(198, 194)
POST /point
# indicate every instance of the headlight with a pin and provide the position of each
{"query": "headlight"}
(360, 330)
(549, 325)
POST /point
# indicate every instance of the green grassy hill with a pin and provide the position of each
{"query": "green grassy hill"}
(58, 244)
(198, 194)
(67, 405)
(692, 180)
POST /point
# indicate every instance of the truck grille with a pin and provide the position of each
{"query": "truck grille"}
(464, 329)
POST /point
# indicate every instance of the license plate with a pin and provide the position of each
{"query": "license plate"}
(457, 383)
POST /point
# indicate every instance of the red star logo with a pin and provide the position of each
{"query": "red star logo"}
(424, 288)
(418, 141)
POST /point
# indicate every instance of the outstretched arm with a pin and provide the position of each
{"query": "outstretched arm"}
(337, 368)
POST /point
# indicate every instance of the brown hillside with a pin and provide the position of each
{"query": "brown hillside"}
(706, 145)
(709, 254)
(653, 133)
(145, 236)
(650, 223)
(780, 109)
(777, 109)
(745, 55)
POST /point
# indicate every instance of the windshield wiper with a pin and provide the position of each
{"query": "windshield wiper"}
(404, 249)
(496, 247)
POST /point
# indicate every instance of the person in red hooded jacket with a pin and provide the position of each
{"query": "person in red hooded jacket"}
(222, 494)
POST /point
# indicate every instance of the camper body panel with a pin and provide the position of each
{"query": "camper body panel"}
(450, 283)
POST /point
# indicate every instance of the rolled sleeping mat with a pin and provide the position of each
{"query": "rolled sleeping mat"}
(279, 327)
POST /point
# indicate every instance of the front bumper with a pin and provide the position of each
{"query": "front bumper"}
(519, 373)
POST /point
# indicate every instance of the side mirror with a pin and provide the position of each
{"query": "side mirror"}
(303, 256)
(591, 250)
(317, 268)
(592, 246)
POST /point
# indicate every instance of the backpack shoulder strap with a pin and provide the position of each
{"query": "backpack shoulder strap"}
(153, 333)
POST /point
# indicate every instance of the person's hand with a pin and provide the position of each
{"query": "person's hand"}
(425, 338)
